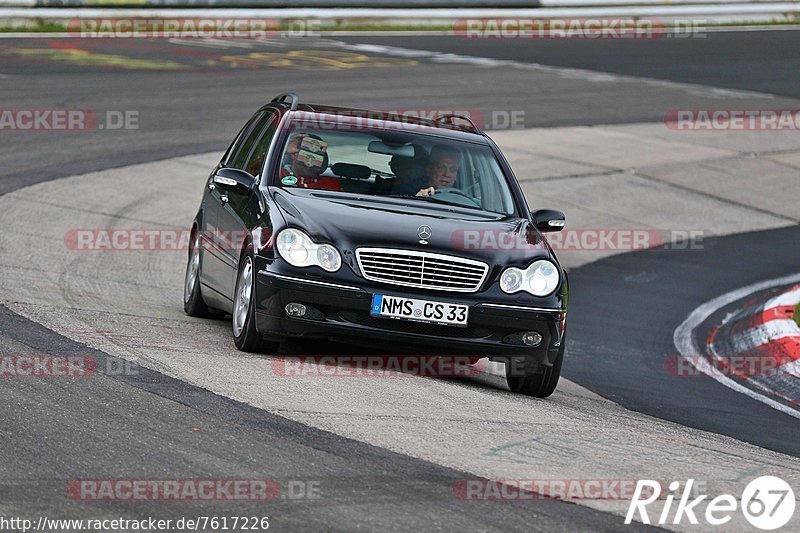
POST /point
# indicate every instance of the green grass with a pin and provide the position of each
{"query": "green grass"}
(756, 23)
(796, 315)
(38, 27)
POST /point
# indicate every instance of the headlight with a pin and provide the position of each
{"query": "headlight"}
(328, 258)
(299, 250)
(511, 280)
(540, 279)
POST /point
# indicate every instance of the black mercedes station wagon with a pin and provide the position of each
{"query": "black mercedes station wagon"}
(377, 229)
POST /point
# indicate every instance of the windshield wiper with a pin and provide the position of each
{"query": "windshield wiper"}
(444, 202)
(432, 199)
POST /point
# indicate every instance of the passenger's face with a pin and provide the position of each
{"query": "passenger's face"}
(304, 171)
(293, 146)
(298, 168)
(443, 171)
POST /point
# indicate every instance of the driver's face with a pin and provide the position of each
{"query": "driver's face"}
(443, 171)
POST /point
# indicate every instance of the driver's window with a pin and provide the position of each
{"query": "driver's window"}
(236, 145)
(256, 161)
(242, 156)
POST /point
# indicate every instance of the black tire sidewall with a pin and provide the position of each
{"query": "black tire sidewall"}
(195, 305)
(249, 340)
(541, 383)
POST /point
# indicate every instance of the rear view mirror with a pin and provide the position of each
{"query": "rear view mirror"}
(380, 147)
(547, 220)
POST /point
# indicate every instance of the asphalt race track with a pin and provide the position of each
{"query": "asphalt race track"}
(657, 298)
(749, 61)
(197, 408)
(111, 80)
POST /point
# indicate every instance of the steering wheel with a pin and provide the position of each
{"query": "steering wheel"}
(452, 190)
(459, 192)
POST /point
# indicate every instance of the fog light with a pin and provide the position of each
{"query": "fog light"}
(531, 338)
(295, 309)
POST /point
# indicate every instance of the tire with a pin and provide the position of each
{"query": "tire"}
(245, 335)
(193, 304)
(537, 382)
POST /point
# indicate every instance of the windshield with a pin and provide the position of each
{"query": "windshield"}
(399, 164)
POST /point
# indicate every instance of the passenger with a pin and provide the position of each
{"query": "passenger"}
(306, 159)
(442, 170)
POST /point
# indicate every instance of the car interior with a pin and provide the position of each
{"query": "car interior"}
(395, 164)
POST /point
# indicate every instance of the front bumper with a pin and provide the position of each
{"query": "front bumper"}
(344, 316)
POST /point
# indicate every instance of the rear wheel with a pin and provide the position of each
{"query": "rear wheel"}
(193, 303)
(539, 382)
(245, 335)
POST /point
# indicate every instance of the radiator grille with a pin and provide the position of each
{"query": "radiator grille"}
(424, 270)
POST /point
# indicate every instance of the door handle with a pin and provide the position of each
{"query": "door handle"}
(223, 199)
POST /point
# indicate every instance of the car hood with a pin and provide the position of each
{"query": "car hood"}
(351, 221)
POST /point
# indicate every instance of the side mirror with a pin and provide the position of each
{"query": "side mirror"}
(547, 220)
(233, 178)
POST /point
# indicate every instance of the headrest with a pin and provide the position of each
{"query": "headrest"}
(349, 170)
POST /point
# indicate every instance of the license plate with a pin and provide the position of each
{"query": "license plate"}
(419, 310)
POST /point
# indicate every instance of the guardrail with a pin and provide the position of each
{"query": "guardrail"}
(402, 4)
(418, 12)
(366, 4)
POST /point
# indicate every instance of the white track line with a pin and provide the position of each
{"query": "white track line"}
(686, 345)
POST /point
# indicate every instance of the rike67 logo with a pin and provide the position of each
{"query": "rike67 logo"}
(767, 503)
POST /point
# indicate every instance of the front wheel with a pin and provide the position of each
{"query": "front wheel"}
(539, 382)
(245, 335)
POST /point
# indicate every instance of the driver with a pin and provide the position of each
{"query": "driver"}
(442, 169)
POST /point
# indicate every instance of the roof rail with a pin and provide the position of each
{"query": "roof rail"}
(292, 96)
(449, 118)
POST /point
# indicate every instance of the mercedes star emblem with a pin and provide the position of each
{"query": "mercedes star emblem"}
(424, 233)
